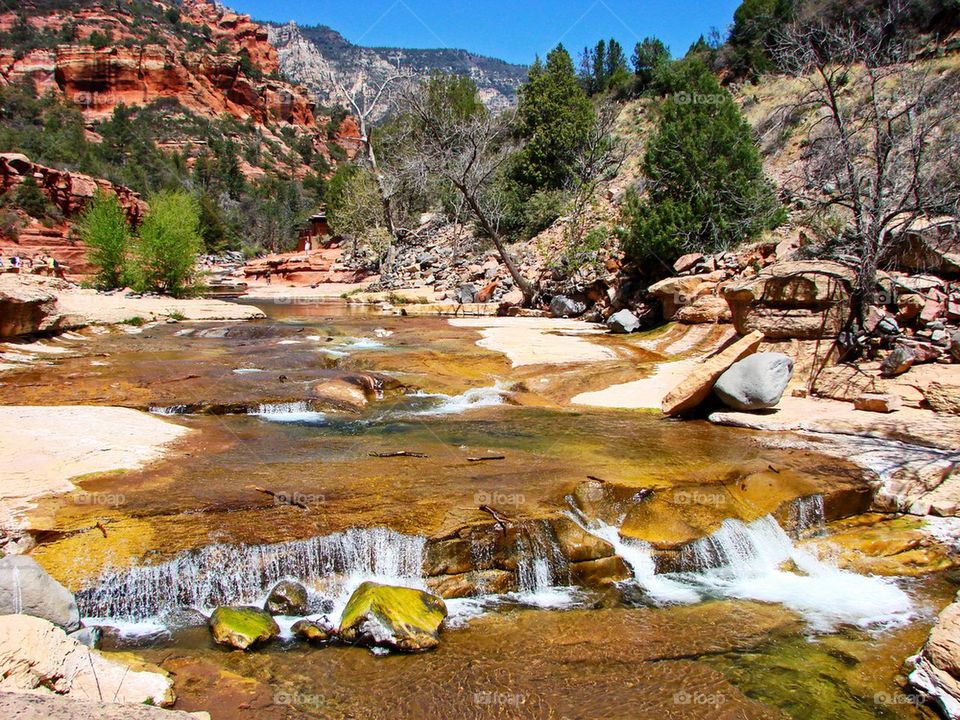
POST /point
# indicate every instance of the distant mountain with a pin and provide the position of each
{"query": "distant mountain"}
(311, 55)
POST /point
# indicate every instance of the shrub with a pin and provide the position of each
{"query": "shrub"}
(165, 253)
(31, 199)
(104, 230)
(706, 187)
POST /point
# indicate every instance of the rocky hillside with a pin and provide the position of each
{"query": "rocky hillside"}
(317, 57)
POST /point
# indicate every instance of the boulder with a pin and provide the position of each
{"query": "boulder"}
(931, 246)
(677, 292)
(792, 300)
(936, 669)
(242, 627)
(696, 387)
(687, 262)
(878, 403)
(943, 398)
(707, 309)
(562, 306)
(26, 306)
(466, 294)
(756, 382)
(313, 632)
(955, 345)
(38, 657)
(623, 322)
(909, 305)
(340, 393)
(397, 617)
(27, 588)
(287, 598)
(897, 362)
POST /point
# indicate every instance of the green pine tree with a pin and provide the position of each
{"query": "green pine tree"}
(706, 187)
(554, 117)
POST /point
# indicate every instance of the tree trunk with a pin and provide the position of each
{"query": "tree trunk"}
(524, 285)
(381, 189)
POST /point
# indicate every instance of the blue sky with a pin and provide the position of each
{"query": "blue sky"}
(514, 30)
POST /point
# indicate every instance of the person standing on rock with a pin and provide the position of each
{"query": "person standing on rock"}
(307, 246)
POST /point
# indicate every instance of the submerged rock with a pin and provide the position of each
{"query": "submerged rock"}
(27, 588)
(313, 632)
(242, 627)
(287, 598)
(623, 322)
(756, 382)
(397, 617)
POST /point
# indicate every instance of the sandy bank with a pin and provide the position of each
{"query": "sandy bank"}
(44, 447)
(88, 307)
(539, 341)
(643, 394)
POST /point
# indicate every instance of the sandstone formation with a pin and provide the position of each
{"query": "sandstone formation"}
(69, 192)
(936, 671)
(54, 707)
(38, 657)
(27, 306)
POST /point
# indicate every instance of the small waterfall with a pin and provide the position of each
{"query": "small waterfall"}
(457, 404)
(809, 516)
(230, 574)
(540, 562)
(291, 412)
(169, 410)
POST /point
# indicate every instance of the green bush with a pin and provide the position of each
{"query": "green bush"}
(706, 187)
(164, 257)
(542, 210)
(31, 199)
(104, 230)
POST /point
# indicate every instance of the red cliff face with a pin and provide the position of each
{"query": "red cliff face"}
(70, 193)
(208, 80)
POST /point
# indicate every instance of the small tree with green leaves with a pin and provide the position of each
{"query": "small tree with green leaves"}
(649, 56)
(31, 199)
(103, 228)
(706, 190)
(164, 257)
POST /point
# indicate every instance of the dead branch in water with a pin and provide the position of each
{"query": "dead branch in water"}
(399, 453)
(486, 458)
(501, 519)
(282, 498)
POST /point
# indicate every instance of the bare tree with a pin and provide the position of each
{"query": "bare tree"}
(467, 151)
(880, 140)
(366, 99)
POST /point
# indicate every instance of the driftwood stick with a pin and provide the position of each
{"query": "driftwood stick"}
(595, 478)
(399, 453)
(282, 498)
(500, 518)
(486, 458)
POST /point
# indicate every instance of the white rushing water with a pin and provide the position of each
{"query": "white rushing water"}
(332, 567)
(759, 561)
(471, 399)
(543, 573)
(293, 412)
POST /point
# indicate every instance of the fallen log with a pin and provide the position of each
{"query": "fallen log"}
(501, 519)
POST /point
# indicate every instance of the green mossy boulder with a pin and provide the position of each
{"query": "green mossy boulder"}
(396, 617)
(242, 627)
(313, 632)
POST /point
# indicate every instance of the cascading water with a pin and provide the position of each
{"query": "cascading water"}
(809, 516)
(231, 574)
(455, 404)
(543, 573)
(746, 561)
(291, 412)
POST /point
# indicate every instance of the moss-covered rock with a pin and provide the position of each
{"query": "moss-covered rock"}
(313, 632)
(397, 617)
(242, 627)
(287, 598)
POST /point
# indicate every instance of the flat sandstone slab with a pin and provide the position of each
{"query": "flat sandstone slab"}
(92, 308)
(43, 447)
(539, 341)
